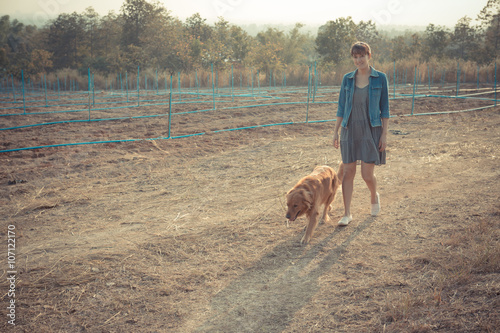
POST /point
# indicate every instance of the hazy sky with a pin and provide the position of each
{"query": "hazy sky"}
(399, 12)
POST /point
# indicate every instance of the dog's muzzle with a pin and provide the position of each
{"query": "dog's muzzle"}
(294, 218)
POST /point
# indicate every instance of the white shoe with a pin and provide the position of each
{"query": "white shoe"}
(376, 207)
(345, 220)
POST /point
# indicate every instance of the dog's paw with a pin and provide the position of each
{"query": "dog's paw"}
(304, 240)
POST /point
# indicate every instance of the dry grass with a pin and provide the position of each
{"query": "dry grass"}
(458, 278)
(188, 235)
(297, 75)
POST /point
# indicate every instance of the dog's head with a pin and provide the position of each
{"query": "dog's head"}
(299, 202)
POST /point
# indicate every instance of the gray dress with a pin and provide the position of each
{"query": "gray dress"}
(359, 141)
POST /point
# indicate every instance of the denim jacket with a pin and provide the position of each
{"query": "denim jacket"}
(378, 106)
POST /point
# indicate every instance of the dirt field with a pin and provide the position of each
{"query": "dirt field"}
(189, 234)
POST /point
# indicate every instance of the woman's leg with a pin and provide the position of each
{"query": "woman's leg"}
(367, 172)
(348, 186)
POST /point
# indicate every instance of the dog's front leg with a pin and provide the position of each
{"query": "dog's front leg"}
(313, 222)
(328, 208)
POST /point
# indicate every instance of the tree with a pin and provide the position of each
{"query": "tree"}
(110, 30)
(399, 48)
(308, 49)
(240, 43)
(4, 60)
(144, 33)
(14, 38)
(4, 29)
(198, 28)
(436, 41)
(197, 33)
(91, 22)
(65, 37)
(367, 32)
(168, 45)
(490, 20)
(218, 49)
(293, 46)
(335, 39)
(16, 44)
(266, 57)
(132, 56)
(136, 15)
(40, 61)
(267, 53)
(464, 40)
(416, 43)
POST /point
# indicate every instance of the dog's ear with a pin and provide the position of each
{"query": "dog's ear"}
(308, 199)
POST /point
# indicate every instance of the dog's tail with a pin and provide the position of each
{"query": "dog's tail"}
(340, 173)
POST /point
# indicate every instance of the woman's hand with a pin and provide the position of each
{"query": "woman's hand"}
(336, 141)
(382, 144)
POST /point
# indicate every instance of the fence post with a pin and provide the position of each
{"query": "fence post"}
(179, 84)
(251, 79)
(394, 81)
(315, 86)
(88, 87)
(13, 88)
(45, 88)
(138, 84)
(429, 76)
(126, 84)
(477, 85)
(414, 83)
(197, 83)
(213, 85)
(170, 106)
(232, 83)
(308, 94)
(258, 82)
(22, 81)
(495, 84)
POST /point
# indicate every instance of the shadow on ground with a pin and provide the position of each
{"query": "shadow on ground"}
(266, 297)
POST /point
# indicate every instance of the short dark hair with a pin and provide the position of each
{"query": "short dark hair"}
(360, 48)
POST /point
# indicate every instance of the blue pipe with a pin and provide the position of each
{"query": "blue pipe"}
(223, 130)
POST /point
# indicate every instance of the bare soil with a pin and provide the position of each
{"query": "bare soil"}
(189, 234)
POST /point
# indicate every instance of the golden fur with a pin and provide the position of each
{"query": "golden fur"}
(310, 194)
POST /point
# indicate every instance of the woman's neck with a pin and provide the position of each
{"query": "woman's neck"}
(364, 71)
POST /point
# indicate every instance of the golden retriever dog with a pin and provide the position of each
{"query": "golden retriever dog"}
(310, 194)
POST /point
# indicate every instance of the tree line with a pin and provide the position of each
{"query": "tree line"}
(147, 34)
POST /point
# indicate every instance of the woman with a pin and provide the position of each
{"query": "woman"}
(363, 114)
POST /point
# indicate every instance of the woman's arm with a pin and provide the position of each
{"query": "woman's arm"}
(384, 114)
(336, 140)
(383, 138)
(384, 99)
(342, 97)
(340, 113)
